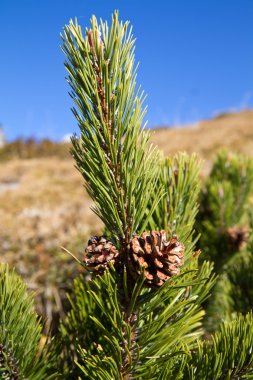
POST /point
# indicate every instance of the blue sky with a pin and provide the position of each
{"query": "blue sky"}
(196, 60)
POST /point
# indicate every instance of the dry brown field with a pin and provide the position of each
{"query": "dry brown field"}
(233, 131)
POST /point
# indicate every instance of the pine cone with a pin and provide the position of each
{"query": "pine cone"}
(99, 253)
(160, 258)
(237, 236)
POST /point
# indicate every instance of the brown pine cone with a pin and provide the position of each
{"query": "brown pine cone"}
(99, 253)
(237, 236)
(160, 259)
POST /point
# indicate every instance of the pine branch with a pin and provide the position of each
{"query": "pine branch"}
(164, 315)
(176, 212)
(228, 356)
(233, 293)
(223, 220)
(134, 343)
(118, 164)
(113, 154)
(20, 332)
(132, 331)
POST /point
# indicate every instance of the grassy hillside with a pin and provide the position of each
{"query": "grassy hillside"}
(231, 130)
(44, 206)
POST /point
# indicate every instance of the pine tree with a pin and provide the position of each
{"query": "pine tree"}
(141, 314)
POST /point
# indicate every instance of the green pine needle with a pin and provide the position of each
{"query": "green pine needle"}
(20, 330)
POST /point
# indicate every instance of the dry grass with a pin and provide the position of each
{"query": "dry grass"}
(233, 131)
(45, 198)
(44, 206)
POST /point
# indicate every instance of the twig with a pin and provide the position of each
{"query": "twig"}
(71, 254)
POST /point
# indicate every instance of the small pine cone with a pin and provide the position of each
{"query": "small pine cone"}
(160, 259)
(99, 253)
(237, 236)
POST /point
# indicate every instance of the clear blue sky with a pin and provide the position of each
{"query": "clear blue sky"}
(196, 59)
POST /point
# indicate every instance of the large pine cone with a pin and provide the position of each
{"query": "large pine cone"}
(160, 259)
(99, 253)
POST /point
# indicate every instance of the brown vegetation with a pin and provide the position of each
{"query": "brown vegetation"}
(44, 206)
(231, 130)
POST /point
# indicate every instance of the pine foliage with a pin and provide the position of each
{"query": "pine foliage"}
(233, 294)
(137, 331)
(20, 331)
(113, 153)
(177, 210)
(225, 224)
(228, 355)
(223, 207)
(162, 325)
